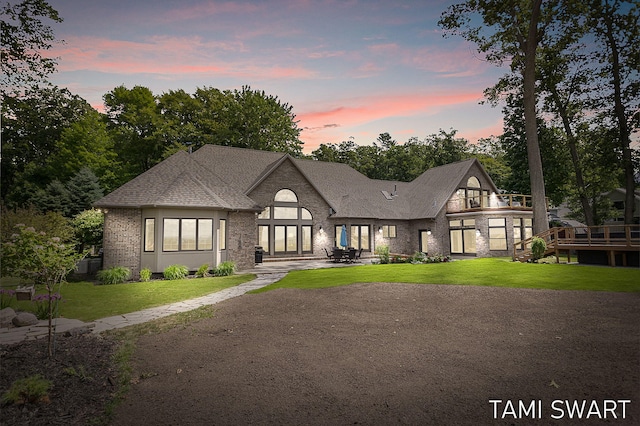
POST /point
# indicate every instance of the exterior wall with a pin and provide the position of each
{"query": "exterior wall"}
(403, 243)
(122, 239)
(287, 176)
(158, 260)
(241, 239)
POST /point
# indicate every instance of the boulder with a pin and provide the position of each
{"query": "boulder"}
(6, 316)
(24, 319)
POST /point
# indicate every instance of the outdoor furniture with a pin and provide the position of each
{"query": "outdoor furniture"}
(338, 254)
(329, 255)
(350, 255)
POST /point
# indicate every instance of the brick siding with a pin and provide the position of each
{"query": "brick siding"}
(122, 239)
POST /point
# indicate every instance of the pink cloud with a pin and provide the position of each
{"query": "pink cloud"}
(187, 56)
(379, 106)
(474, 135)
(327, 125)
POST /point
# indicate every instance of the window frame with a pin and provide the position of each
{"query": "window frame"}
(502, 238)
(179, 245)
(149, 235)
(389, 231)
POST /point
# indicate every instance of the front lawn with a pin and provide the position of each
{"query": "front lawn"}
(497, 272)
(87, 302)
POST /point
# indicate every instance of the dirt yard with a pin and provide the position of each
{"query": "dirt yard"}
(369, 354)
(378, 354)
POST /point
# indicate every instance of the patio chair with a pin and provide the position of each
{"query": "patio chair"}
(329, 255)
(358, 255)
(351, 255)
(338, 254)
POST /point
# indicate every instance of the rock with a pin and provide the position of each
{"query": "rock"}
(24, 319)
(6, 315)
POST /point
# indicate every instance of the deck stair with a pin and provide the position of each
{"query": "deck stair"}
(612, 239)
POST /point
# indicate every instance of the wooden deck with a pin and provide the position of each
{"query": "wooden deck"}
(616, 241)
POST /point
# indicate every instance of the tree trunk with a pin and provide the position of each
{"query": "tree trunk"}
(575, 159)
(536, 177)
(619, 111)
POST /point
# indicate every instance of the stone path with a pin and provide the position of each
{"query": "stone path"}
(266, 273)
(67, 325)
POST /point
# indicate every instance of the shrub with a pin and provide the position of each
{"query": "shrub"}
(145, 274)
(6, 297)
(31, 389)
(538, 247)
(383, 254)
(418, 257)
(114, 275)
(438, 258)
(203, 271)
(175, 272)
(225, 269)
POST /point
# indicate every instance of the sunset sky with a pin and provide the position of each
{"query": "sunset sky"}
(350, 69)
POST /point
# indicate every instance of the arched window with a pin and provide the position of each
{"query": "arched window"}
(285, 227)
(473, 193)
(286, 195)
(473, 182)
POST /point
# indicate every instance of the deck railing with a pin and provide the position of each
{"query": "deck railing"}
(490, 202)
(609, 238)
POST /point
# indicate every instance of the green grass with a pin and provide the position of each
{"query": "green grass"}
(87, 302)
(497, 272)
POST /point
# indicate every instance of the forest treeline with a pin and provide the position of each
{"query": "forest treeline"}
(60, 154)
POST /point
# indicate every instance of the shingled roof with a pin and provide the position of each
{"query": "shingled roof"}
(221, 177)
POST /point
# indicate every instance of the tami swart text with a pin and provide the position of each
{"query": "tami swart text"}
(560, 409)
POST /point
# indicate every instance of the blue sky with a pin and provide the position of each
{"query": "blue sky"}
(350, 69)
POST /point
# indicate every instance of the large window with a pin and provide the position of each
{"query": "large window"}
(187, 234)
(285, 227)
(497, 234)
(463, 236)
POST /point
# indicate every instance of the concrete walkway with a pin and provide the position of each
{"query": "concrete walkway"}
(266, 273)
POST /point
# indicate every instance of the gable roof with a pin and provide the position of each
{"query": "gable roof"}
(196, 180)
(178, 181)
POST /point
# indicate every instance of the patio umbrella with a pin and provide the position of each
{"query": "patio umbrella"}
(343, 237)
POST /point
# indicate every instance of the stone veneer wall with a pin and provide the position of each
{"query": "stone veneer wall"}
(122, 239)
(242, 238)
(289, 177)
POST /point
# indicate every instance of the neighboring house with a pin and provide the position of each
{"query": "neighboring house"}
(219, 203)
(617, 197)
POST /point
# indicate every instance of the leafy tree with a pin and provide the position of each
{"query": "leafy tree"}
(247, 118)
(25, 39)
(42, 259)
(134, 120)
(445, 148)
(51, 223)
(89, 226)
(87, 143)
(615, 24)
(493, 158)
(31, 128)
(511, 31)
